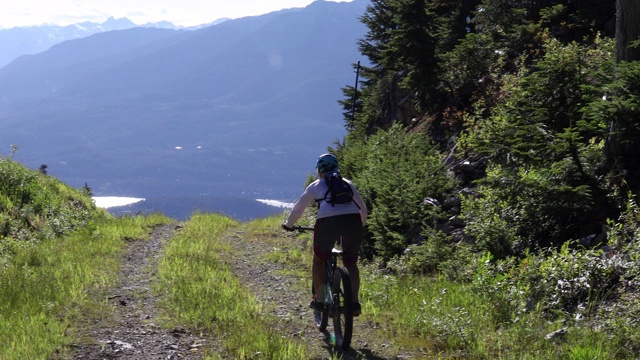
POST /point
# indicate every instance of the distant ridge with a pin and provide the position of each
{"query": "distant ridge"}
(18, 41)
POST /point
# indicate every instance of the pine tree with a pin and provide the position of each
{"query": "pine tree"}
(628, 30)
(401, 46)
(623, 143)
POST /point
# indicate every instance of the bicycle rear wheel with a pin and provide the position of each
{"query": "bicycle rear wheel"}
(321, 317)
(342, 313)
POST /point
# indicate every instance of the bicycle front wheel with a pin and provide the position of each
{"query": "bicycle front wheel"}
(342, 306)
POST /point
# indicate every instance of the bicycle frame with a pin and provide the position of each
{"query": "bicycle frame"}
(330, 270)
(337, 301)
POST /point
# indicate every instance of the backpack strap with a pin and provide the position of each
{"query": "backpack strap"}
(324, 198)
(326, 194)
(318, 201)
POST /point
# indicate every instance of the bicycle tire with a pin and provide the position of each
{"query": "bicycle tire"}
(343, 313)
(321, 317)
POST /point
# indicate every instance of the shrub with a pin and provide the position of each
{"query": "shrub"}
(567, 280)
(624, 238)
(499, 283)
(401, 171)
(533, 208)
(572, 278)
(460, 265)
(487, 221)
(424, 258)
(620, 107)
(545, 148)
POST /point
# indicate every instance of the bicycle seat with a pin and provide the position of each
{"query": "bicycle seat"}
(336, 251)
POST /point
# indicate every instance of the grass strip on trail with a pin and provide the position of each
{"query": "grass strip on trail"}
(199, 290)
(46, 287)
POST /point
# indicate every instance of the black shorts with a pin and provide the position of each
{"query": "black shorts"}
(346, 229)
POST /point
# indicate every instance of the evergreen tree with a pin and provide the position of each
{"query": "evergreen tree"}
(401, 46)
(544, 148)
(623, 143)
(401, 170)
(518, 83)
(627, 30)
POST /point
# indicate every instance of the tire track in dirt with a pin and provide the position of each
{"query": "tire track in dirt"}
(131, 331)
(284, 297)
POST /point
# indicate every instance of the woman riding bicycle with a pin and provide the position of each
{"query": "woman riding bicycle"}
(343, 221)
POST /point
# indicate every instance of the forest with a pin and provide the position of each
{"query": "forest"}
(496, 143)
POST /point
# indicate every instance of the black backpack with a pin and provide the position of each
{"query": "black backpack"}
(339, 189)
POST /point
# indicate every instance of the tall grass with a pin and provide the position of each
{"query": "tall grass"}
(35, 207)
(46, 287)
(199, 290)
(441, 319)
(449, 320)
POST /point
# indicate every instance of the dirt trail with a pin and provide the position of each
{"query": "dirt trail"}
(287, 298)
(131, 332)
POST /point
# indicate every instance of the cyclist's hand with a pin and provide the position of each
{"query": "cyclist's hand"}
(284, 226)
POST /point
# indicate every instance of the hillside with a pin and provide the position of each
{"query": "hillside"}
(56, 252)
(76, 282)
(35, 208)
(495, 144)
(240, 108)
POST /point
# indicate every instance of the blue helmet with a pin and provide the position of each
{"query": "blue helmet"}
(326, 163)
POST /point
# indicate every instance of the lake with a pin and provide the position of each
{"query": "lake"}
(181, 207)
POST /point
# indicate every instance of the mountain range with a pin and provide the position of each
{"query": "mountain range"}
(240, 108)
(29, 40)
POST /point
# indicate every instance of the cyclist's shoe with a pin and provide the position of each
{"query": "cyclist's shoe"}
(356, 309)
(316, 305)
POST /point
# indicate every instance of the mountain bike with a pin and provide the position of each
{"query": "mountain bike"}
(337, 300)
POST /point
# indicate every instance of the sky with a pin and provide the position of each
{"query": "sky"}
(180, 12)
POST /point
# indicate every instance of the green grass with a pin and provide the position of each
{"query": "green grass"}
(199, 290)
(292, 249)
(58, 254)
(35, 207)
(46, 288)
(441, 319)
(448, 320)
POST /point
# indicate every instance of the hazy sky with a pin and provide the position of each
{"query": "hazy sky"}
(180, 12)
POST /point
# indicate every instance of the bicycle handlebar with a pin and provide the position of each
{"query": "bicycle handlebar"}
(297, 228)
